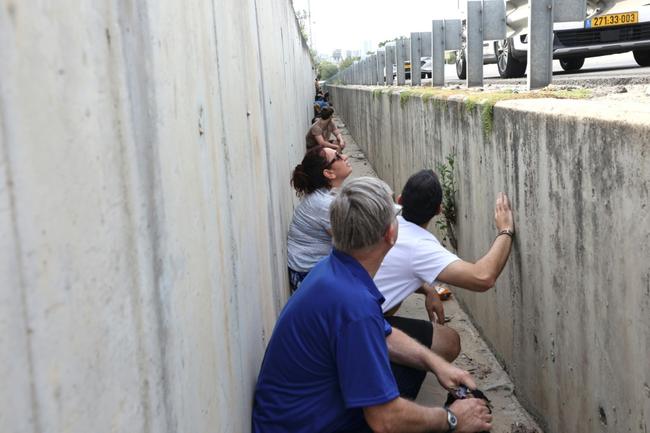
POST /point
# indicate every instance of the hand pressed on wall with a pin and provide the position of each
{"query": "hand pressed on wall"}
(503, 213)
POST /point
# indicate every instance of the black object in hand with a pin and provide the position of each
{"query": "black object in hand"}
(463, 392)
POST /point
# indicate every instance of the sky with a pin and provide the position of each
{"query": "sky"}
(346, 24)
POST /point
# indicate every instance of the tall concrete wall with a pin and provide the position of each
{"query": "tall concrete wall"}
(145, 153)
(570, 316)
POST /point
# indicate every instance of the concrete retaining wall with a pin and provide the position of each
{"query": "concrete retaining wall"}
(145, 153)
(570, 316)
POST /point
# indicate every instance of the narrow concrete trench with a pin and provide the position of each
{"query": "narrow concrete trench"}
(476, 357)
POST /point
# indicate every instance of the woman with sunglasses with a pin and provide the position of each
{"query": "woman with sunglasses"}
(315, 180)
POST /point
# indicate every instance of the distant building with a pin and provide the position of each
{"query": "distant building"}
(336, 55)
(348, 54)
(366, 47)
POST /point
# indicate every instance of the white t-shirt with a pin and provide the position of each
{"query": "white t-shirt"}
(416, 258)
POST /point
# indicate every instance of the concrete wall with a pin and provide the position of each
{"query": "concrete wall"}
(145, 153)
(570, 315)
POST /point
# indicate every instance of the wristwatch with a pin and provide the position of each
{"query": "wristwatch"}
(451, 420)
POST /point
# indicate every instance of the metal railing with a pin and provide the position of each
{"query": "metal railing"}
(486, 20)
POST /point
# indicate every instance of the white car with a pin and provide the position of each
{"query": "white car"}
(613, 27)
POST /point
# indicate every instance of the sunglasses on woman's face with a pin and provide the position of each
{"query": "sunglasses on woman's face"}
(337, 157)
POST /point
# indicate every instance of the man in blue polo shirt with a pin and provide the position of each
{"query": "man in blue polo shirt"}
(327, 366)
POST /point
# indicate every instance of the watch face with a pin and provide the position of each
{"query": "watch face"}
(452, 420)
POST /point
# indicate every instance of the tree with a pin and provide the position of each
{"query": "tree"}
(327, 69)
(301, 15)
(348, 62)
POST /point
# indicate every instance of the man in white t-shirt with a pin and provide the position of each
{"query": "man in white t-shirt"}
(418, 260)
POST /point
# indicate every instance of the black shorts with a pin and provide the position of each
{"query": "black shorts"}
(409, 380)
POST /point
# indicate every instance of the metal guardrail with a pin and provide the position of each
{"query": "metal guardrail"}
(486, 20)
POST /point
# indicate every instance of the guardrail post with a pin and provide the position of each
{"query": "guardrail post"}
(390, 61)
(381, 64)
(366, 71)
(569, 10)
(359, 66)
(540, 44)
(416, 53)
(373, 70)
(401, 51)
(453, 35)
(474, 51)
(425, 40)
(359, 72)
(543, 13)
(438, 53)
(494, 20)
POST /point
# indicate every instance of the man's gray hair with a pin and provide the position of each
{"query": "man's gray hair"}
(361, 213)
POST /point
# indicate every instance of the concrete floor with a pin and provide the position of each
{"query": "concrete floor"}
(476, 357)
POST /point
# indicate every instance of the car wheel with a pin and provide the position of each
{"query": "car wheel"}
(508, 65)
(461, 65)
(642, 57)
(573, 64)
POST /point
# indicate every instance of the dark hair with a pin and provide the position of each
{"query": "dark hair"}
(326, 113)
(308, 176)
(421, 197)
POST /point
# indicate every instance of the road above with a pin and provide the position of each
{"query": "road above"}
(616, 69)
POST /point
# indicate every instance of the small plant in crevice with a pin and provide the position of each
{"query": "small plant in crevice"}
(487, 117)
(447, 221)
(404, 97)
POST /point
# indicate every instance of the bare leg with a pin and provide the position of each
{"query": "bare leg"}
(446, 342)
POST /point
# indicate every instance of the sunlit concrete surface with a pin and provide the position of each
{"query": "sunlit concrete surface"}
(145, 152)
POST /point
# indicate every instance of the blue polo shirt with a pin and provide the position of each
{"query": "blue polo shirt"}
(327, 358)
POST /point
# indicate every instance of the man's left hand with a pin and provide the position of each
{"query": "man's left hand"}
(451, 377)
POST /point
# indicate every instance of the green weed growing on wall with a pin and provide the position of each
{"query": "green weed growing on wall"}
(404, 97)
(447, 221)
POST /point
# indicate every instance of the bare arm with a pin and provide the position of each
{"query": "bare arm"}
(322, 142)
(339, 137)
(482, 275)
(404, 416)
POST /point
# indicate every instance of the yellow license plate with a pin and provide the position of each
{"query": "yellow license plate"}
(615, 19)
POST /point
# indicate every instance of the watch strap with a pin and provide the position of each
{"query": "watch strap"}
(507, 232)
